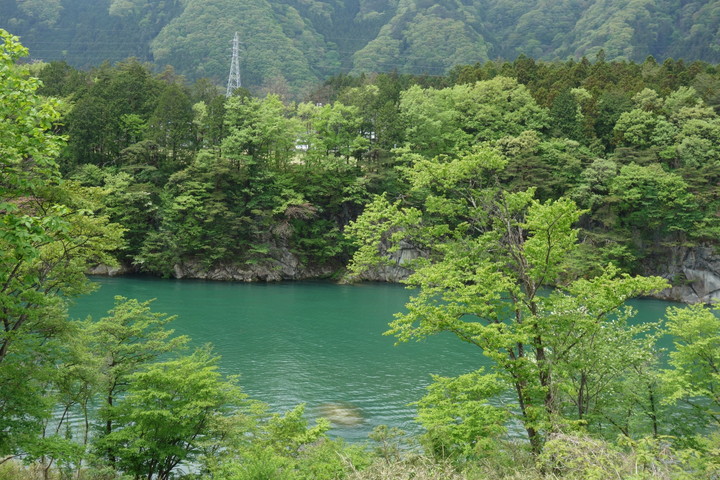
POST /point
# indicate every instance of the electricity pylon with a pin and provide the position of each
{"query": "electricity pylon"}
(234, 78)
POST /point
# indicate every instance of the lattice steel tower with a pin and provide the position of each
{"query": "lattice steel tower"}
(234, 78)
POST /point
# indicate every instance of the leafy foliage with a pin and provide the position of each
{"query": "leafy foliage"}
(459, 418)
(473, 171)
(492, 252)
(49, 236)
(170, 410)
(694, 376)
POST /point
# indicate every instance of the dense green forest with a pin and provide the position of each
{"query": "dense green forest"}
(291, 45)
(507, 177)
(203, 183)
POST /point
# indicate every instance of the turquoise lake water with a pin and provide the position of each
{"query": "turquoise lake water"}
(315, 343)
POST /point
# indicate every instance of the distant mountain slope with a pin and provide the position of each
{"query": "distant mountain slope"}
(275, 44)
(426, 37)
(87, 32)
(293, 43)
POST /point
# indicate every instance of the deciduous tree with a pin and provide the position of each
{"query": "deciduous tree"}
(694, 378)
(172, 409)
(491, 254)
(49, 235)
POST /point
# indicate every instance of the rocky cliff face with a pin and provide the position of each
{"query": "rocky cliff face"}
(694, 273)
(109, 271)
(396, 269)
(281, 264)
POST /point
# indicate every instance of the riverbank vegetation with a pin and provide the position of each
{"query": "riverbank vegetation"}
(508, 179)
(201, 182)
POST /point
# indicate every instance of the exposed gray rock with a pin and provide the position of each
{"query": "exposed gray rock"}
(281, 264)
(694, 273)
(397, 268)
(109, 271)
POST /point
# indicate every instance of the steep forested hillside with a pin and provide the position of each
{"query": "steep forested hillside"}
(290, 44)
(87, 32)
(205, 183)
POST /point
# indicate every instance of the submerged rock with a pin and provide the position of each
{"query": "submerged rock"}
(341, 414)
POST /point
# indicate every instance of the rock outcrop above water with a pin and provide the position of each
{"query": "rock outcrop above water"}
(396, 268)
(280, 264)
(108, 270)
(694, 273)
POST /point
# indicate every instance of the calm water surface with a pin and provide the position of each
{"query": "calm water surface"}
(309, 342)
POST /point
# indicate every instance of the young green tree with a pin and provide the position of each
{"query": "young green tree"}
(458, 416)
(260, 133)
(70, 390)
(334, 131)
(283, 447)
(171, 124)
(378, 107)
(129, 339)
(49, 236)
(452, 119)
(694, 376)
(132, 204)
(171, 411)
(490, 255)
(107, 113)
